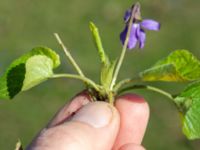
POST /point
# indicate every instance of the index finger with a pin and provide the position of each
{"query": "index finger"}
(134, 115)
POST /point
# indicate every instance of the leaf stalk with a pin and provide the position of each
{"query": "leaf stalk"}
(84, 79)
(69, 56)
(151, 88)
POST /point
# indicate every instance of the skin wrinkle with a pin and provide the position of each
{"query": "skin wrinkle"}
(59, 132)
(65, 113)
(68, 111)
(78, 135)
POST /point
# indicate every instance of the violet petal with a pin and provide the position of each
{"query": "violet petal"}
(150, 24)
(123, 35)
(141, 37)
(132, 39)
(127, 15)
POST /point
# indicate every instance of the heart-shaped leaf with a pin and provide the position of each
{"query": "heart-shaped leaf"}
(180, 65)
(27, 71)
(188, 103)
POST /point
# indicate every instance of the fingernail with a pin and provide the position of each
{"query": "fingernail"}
(97, 114)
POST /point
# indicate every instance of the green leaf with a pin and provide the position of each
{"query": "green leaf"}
(180, 66)
(188, 103)
(107, 74)
(107, 68)
(98, 43)
(27, 71)
(38, 69)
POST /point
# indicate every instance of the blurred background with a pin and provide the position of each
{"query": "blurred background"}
(25, 24)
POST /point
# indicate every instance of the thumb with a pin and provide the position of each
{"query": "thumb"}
(94, 126)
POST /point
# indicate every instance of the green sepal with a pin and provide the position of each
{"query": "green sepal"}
(188, 103)
(27, 71)
(179, 66)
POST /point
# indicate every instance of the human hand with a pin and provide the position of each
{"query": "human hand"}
(96, 126)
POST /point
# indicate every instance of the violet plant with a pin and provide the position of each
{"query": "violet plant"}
(37, 66)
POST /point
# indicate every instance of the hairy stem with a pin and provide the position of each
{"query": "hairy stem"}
(151, 88)
(125, 81)
(123, 52)
(69, 56)
(84, 79)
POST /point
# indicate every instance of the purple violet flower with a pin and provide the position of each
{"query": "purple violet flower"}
(137, 33)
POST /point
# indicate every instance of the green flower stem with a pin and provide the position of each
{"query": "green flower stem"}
(123, 50)
(84, 79)
(71, 59)
(111, 99)
(151, 88)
